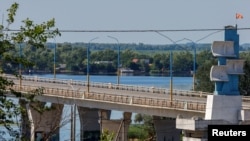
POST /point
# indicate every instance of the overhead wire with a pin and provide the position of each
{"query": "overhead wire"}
(138, 30)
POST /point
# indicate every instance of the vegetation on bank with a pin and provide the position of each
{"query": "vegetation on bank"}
(73, 59)
(143, 129)
(69, 58)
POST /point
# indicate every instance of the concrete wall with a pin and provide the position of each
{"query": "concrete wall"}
(118, 127)
(45, 123)
(89, 123)
(26, 133)
(223, 107)
(166, 130)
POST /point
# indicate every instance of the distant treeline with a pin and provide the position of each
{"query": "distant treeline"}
(139, 47)
(103, 58)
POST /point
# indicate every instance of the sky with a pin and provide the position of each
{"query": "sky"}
(108, 15)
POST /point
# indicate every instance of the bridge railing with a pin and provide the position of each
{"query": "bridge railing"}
(155, 90)
(134, 100)
(114, 98)
(137, 88)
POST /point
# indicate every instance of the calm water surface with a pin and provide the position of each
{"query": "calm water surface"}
(184, 83)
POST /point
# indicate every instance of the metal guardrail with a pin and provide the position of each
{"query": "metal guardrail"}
(137, 88)
(114, 98)
(155, 90)
(121, 87)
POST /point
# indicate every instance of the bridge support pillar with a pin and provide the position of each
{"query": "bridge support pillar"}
(89, 123)
(25, 124)
(118, 127)
(223, 107)
(165, 129)
(103, 115)
(45, 124)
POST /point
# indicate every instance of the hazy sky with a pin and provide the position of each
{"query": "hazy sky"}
(136, 15)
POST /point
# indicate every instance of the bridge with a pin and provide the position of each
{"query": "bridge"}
(73, 91)
(106, 97)
(68, 91)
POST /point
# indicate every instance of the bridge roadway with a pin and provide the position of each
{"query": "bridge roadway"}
(127, 98)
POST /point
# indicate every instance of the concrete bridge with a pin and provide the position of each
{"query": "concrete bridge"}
(104, 97)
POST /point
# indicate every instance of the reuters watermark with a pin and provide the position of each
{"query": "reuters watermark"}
(220, 132)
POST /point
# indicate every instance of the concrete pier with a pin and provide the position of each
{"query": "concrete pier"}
(25, 131)
(44, 123)
(118, 127)
(89, 123)
(165, 129)
(225, 106)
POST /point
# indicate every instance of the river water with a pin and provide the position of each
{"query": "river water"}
(182, 83)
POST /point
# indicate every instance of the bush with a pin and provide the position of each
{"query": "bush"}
(137, 132)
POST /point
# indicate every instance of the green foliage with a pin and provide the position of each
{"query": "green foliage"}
(148, 49)
(35, 34)
(205, 61)
(137, 132)
(12, 12)
(160, 62)
(107, 135)
(74, 56)
(203, 82)
(30, 35)
(244, 86)
(138, 118)
(147, 126)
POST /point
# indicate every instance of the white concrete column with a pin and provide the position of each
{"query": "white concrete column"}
(223, 107)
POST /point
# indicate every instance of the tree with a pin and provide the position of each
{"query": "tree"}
(147, 126)
(30, 35)
(205, 61)
(203, 82)
(178, 66)
(245, 80)
(107, 135)
(161, 62)
(126, 57)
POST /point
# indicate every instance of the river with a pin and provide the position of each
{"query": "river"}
(183, 83)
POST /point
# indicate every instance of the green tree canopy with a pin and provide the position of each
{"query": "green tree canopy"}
(30, 35)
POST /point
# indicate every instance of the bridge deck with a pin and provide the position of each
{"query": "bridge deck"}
(115, 97)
